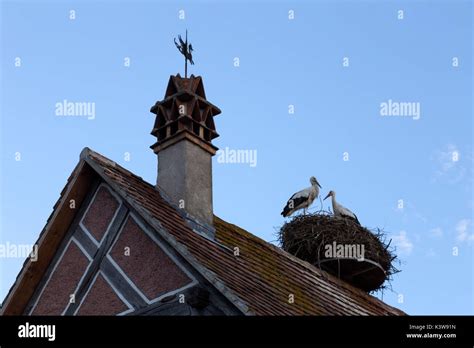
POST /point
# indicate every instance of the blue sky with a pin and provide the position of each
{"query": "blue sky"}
(426, 162)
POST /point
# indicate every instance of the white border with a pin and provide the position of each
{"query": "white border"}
(72, 239)
(163, 248)
(84, 228)
(119, 295)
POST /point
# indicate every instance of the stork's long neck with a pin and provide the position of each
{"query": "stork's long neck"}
(333, 200)
(315, 189)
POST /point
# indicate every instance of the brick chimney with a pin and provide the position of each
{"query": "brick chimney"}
(184, 128)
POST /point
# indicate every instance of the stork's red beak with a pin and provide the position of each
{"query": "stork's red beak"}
(327, 196)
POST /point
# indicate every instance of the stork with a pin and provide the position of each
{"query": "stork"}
(302, 199)
(340, 210)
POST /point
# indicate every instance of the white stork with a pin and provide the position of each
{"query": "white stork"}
(340, 210)
(302, 199)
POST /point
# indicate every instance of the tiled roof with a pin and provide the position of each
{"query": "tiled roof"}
(261, 278)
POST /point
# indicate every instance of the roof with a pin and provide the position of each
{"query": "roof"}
(259, 280)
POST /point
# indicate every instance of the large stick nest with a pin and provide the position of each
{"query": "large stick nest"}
(308, 237)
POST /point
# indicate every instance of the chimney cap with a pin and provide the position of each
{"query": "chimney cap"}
(184, 109)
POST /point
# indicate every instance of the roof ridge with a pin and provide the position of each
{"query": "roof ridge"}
(88, 152)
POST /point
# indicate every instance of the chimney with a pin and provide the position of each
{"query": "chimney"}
(184, 128)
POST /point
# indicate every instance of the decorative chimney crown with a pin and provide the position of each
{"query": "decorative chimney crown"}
(184, 113)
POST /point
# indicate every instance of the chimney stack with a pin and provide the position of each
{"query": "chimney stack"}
(184, 128)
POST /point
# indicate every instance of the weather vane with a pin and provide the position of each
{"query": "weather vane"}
(185, 50)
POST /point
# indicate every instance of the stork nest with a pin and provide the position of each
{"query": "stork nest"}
(309, 237)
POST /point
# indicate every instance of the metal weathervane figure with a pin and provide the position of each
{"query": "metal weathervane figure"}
(185, 50)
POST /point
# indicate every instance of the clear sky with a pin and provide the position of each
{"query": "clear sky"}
(259, 61)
